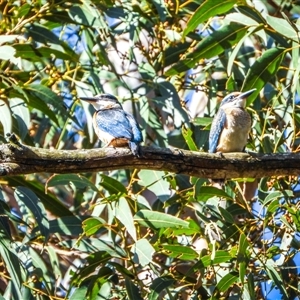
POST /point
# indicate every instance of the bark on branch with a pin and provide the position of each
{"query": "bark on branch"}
(17, 159)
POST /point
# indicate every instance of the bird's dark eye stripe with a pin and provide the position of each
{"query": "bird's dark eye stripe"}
(111, 97)
(228, 99)
(108, 97)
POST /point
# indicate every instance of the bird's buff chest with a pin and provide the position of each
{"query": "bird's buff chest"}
(235, 132)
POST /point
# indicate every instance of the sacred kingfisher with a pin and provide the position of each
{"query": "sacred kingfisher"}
(231, 125)
(114, 126)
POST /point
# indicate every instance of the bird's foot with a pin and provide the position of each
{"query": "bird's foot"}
(176, 149)
(220, 154)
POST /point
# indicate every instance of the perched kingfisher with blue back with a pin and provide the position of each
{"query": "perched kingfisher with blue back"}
(231, 125)
(114, 126)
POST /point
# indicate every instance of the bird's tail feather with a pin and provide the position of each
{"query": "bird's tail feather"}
(135, 149)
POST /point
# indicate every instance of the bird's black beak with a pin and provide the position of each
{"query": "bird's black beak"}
(246, 94)
(89, 99)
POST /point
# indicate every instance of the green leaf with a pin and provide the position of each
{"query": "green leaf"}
(188, 136)
(276, 278)
(243, 244)
(7, 53)
(54, 260)
(221, 256)
(92, 225)
(207, 9)
(157, 220)
(124, 215)
(79, 293)
(226, 215)
(156, 182)
(37, 208)
(158, 285)
(215, 44)
(173, 52)
(283, 27)
(33, 54)
(46, 95)
(8, 38)
(45, 36)
(235, 209)
(112, 185)
(122, 269)
(51, 203)
(133, 292)
(251, 286)
(143, 252)
(263, 69)
(5, 119)
(13, 267)
(93, 261)
(203, 121)
(68, 225)
(40, 268)
(161, 8)
(87, 14)
(21, 113)
(242, 257)
(79, 181)
(275, 195)
(93, 245)
(179, 251)
(208, 192)
(227, 281)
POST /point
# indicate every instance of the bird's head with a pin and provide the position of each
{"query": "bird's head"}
(103, 101)
(236, 99)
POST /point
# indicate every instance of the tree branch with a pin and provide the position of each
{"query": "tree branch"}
(17, 159)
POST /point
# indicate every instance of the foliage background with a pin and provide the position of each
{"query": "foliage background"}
(147, 234)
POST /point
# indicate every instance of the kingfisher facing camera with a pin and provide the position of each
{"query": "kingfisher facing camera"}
(114, 126)
(231, 125)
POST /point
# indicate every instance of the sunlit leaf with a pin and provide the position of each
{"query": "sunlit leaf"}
(22, 114)
(7, 53)
(5, 119)
(65, 179)
(206, 10)
(92, 225)
(207, 192)
(188, 136)
(227, 281)
(262, 71)
(283, 27)
(221, 256)
(276, 278)
(178, 251)
(79, 293)
(112, 185)
(155, 219)
(143, 252)
(214, 44)
(124, 215)
(155, 182)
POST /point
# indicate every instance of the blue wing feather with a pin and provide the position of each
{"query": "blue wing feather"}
(119, 124)
(216, 129)
(115, 123)
(136, 131)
